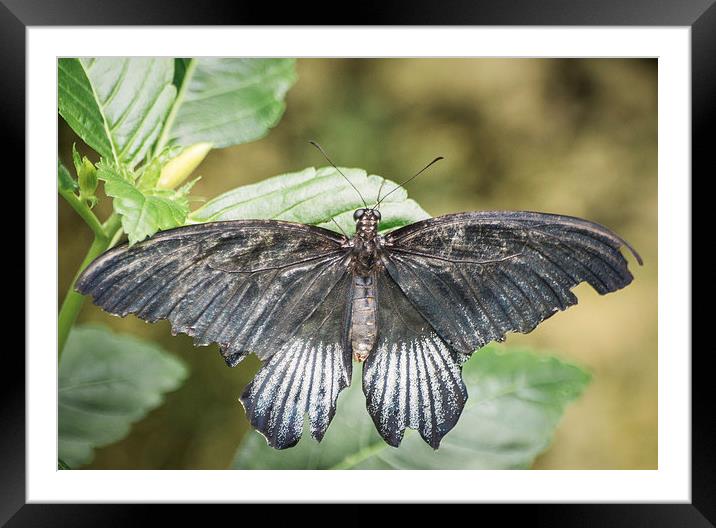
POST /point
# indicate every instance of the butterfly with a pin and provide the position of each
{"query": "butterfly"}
(411, 305)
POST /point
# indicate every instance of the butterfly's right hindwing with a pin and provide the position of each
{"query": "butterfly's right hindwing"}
(412, 378)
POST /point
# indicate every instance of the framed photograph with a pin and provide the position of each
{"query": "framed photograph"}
(351, 242)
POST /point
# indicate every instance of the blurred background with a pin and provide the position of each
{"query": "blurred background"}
(570, 136)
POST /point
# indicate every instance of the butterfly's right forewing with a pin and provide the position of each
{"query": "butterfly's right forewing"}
(477, 276)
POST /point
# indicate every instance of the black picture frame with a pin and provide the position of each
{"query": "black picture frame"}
(699, 15)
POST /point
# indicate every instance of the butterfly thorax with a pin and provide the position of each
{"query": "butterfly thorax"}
(365, 259)
(365, 241)
(365, 255)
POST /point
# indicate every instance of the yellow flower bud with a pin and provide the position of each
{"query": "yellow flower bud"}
(180, 167)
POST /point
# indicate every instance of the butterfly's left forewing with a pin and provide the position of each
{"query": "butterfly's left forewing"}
(246, 285)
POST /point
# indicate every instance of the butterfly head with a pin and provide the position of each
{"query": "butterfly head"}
(366, 222)
(367, 215)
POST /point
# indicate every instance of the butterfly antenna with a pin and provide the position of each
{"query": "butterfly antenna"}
(339, 170)
(410, 179)
(377, 200)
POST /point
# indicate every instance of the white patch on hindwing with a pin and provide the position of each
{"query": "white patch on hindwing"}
(300, 380)
(421, 372)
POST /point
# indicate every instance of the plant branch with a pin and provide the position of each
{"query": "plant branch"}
(72, 304)
(85, 212)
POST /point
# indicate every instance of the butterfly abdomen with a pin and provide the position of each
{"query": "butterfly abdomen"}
(364, 330)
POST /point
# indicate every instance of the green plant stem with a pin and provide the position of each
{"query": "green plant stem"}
(72, 303)
(85, 212)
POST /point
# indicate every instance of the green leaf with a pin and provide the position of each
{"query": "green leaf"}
(87, 178)
(516, 399)
(150, 174)
(313, 197)
(179, 71)
(64, 179)
(61, 464)
(116, 105)
(228, 101)
(76, 159)
(107, 382)
(143, 211)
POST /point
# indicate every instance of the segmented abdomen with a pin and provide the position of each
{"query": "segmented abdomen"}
(364, 329)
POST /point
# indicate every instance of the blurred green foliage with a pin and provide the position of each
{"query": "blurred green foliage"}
(567, 136)
(107, 382)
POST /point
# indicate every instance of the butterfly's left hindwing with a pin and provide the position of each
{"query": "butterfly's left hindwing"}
(412, 378)
(306, 375)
